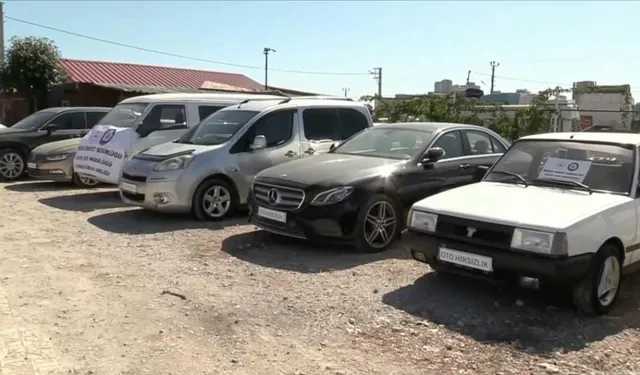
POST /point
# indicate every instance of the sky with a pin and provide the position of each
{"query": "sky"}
(538, 44)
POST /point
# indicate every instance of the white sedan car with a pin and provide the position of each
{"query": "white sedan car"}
(559, 209)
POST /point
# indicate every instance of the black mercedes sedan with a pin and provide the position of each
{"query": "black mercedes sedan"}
(358, 193)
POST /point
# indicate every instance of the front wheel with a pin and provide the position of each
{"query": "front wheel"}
(12, 165)
(598, 291)
(84, 181)
(214, 199)
(379, 224)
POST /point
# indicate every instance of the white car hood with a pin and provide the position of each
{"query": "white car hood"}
(533, 207)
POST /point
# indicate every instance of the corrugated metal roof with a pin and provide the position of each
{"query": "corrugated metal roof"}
(149, 89)
(129, 75)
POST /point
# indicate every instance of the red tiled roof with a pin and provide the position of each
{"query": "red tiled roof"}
(102, 72)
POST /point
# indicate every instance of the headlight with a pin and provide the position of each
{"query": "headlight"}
(531, 240)
(179, 162)
(332, 196)
(422, 221)
(57, 157)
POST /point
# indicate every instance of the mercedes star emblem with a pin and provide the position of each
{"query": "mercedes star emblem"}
(273, 196)
(471, 231)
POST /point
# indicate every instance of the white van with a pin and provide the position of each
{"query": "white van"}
(141, 122)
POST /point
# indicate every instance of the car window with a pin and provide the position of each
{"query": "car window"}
(69, 121)
(351, 122)
(321, 124)
(479, 142)
(94, 117)
(451, 143)
(164, 116)
(498, 148)
(205, 111)
(277, 128)
(388, 143)
(602, 167)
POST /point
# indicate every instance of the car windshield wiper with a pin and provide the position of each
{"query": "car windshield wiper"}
(573, 184)
(520, 178)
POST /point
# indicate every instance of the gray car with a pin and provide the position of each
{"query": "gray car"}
(210, 169)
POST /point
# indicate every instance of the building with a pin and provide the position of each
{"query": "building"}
(507, 98)
(604, 105)
(444, 86)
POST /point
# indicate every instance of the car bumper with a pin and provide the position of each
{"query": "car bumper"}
(59, 170)
(157, 195)
(506, 264)
(328, 224)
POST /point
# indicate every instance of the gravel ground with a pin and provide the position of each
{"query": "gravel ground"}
(82, 277)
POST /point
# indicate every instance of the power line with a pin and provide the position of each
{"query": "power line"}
(178, 55)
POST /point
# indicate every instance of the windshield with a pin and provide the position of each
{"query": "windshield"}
(124, 115)
(386, 143)
(217, 128)
(566, 164)
(35, 120)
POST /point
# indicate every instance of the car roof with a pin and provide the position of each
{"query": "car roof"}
(318, 101)
(197, 97)
(428, 126)
(63, 109)
(608, 137)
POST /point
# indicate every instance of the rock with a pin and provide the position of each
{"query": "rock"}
(549, 368)
(234, 361)
(352, 321)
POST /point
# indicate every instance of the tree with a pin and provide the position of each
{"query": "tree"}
(31, 68)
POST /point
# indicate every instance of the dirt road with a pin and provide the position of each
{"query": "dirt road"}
(82, 276)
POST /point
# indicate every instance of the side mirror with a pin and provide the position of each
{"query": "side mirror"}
(334, 145)
(50, 128)
(481, 171)
(259, 142)
(432, 155)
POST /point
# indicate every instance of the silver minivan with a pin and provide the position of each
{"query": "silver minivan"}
(209, 170)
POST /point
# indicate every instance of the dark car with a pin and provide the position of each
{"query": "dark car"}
(359, 191)
(47, 125)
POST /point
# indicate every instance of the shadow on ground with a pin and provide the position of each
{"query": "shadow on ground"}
(87, 202)
(274, 251)
(533, 321)
(33, 187)
(140, 221)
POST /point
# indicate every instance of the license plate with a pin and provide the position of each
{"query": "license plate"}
(460, 258)
(131, 188)
(32, 166)
(272, 214)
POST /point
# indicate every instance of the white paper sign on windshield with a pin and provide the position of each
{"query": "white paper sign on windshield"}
(102, 152)
(564, 169)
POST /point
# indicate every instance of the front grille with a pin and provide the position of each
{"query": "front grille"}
(287, 198)
(134, 177)
(487, 234)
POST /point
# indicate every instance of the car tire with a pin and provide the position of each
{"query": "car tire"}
(204, 197)
(606, 264)
(83, 182)
(10, 159)
(369, 221)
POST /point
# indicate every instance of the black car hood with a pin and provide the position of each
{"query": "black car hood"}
(331, 169)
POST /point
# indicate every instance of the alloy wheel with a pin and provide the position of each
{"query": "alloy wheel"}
(216, 201)
(11, 165)
(87, 180)
(380, 225)
(609, 281)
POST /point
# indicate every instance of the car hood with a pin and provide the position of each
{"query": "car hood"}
(59, 147)
(9, 131)
(171, 149)
(331, 169)
(533, 207)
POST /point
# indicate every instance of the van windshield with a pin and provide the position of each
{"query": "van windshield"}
(124, 115)
(218, 128)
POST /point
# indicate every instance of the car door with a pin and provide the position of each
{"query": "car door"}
(92, 118)
(162, 123)
(321, 127)
(481, 148)
(420, 181)
(70, 124)
(280, 128)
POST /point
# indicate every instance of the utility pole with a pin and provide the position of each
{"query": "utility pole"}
(494, 65)
(1, 33)
(346, 91)
(266, 51)
(377, 75)
(468, 76)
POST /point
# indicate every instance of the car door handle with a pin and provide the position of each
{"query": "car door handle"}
(310, 151)
(464, 166)
(290, 154)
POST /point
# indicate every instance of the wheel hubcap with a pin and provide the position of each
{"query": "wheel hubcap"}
(380, 224)
(216, 201)
(89, 181)
(609, 281)
(11, 165)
